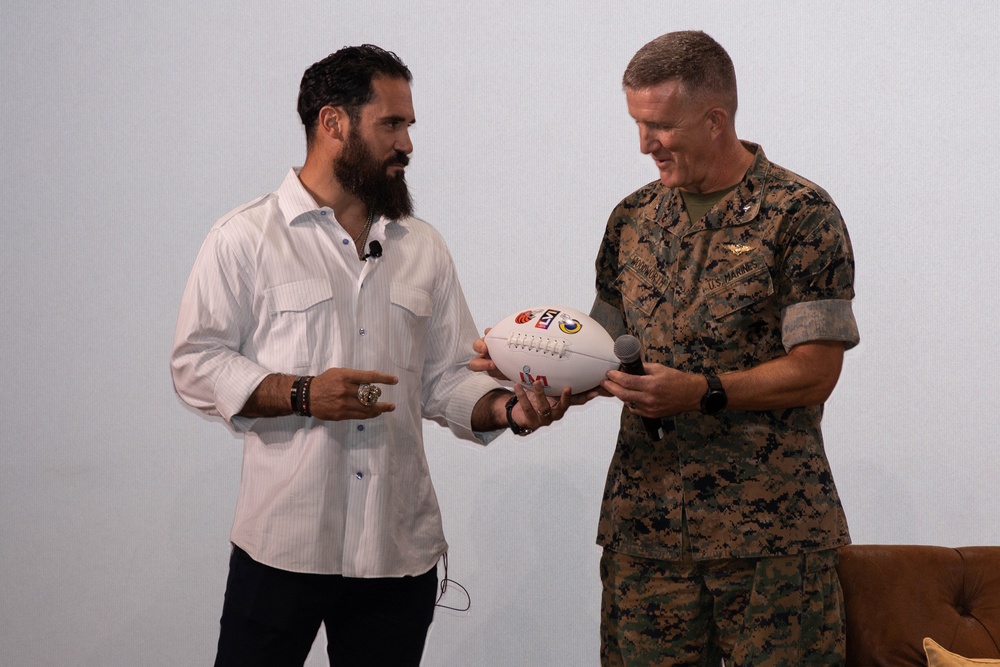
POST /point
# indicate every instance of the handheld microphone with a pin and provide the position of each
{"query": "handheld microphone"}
(627, 350)
(374, 250)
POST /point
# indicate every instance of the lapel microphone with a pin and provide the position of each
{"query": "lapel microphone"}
(374, 250)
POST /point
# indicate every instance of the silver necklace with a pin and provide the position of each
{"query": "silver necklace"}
(363, 234)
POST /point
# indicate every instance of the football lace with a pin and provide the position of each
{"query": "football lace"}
(557, 348)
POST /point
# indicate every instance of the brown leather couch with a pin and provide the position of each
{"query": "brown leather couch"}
(896, 595)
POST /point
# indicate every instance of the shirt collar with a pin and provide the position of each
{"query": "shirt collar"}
(295, 201)
(293, 198)
(739, 207)
(750, 192)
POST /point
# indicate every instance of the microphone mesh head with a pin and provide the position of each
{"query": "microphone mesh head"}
(627, 348)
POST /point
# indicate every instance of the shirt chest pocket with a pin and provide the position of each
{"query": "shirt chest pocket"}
(639, 297)
(302, 321)
(732, 305)
(410, 319)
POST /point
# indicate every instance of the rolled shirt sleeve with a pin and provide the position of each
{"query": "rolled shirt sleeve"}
(209, 370)
(831, 320)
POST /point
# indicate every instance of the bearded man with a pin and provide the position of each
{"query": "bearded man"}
(293, 302)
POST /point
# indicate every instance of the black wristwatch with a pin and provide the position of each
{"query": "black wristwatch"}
(714, 401)
(511, 402)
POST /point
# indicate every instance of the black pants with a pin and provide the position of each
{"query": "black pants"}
(270, 617)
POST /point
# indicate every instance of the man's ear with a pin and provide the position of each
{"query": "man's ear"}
(717, 118)
(333, 122)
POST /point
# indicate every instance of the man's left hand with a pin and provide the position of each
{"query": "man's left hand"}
(536, 409)
(661, 392)
(482, 363)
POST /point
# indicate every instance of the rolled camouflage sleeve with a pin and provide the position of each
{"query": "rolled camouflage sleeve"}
(820, 270)
(831, 320)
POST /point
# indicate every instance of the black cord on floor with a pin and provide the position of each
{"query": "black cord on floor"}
(444, 589)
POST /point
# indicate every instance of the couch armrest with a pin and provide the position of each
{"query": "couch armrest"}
(895, 595)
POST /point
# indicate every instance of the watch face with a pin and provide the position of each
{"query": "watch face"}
(713, 402)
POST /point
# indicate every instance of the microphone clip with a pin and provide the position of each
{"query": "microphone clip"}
(374, 250)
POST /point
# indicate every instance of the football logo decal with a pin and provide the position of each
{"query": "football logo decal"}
(570, 326)
(528, 379)
(525, 317)
(545, 321)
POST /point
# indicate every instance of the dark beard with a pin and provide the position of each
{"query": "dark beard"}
(367, 179)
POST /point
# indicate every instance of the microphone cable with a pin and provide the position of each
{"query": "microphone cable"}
(444, 589)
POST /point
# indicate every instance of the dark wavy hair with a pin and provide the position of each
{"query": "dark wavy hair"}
(344, 79)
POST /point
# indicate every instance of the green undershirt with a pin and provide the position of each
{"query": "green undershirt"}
(698, 205)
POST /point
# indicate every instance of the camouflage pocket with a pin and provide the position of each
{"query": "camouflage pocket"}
(640, 298)
(749, 289)
(740, 324)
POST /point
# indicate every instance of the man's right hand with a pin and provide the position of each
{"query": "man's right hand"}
(333, 395)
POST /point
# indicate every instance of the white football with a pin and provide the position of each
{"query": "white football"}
(559, 346)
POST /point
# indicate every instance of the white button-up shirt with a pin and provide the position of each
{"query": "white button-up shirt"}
(278, 288)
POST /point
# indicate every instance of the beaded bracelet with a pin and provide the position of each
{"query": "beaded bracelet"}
(300, 395)
(304, 396)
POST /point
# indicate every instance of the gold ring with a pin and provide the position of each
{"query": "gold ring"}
(368, 394)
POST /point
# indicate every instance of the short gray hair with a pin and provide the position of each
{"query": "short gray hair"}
(703, 67)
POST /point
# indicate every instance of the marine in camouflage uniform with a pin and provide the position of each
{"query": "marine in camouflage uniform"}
(745, 500)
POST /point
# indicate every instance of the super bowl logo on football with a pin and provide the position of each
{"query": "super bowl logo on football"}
(545, 321)
(528, 378)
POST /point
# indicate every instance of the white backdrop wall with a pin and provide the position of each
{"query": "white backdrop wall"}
(128, 127)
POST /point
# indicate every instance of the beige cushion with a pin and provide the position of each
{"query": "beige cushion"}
(940, 657)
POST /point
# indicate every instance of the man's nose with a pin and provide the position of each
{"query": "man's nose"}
(647, 141)
(403, 143)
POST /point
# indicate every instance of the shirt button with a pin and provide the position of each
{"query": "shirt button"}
(346, 241)
(358, 475)
(361, 332)
(322, 212)
(361, 427)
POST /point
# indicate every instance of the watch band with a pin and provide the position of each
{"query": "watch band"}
(715, 400)
(517, 430)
